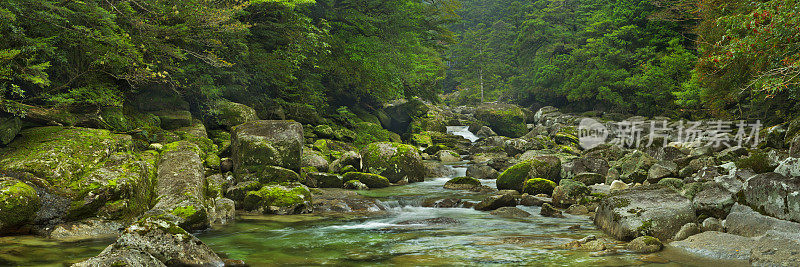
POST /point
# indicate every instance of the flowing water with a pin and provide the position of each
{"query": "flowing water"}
(399, 236)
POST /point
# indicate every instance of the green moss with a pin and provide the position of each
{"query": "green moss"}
(18, 202)
(275, 195)
(369, 179)
(367, 132)
(537, 186)
(506, 120)
(422, 139)
(759, 162)
(184, 211)
(674, 183)
(513, 178)
(645, 228)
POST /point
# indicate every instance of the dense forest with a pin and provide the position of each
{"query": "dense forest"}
(649, 57)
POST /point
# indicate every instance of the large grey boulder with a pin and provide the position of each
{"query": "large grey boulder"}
(18, 204)
(180, 186)
(774, 195)
(654, 210)
(577, 166)
(478, 171)
(634, 167)
(311, 158)
(716, 245)
(394, 161)
(714, 200)
(266, 143)
(152, 238)
(227, 114)
(743, 220)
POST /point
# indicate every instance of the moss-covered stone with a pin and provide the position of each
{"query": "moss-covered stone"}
(758, 161)
(367, 132)
(326, 180)
(9, 128)
(369, 179)
(266, 143)
(18, 203)
(278, 199)
(537, 186)
(505, 120)
(674, 183)
(227, 114)
(463, 183)
(125, 120)
(569, 192)
(355, 185)
(323, 131)
(547, 167)
(394, 161)
(634, 167)
(174, 119)
(514, 178)
(422, 139)
(275, 174)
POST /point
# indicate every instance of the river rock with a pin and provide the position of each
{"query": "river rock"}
(714, 201)
(569, 192)
(775, 195)
(550, 211)
(711, 224)
(160, 239)
(510, 212)
(686, 231)
(355, 185)
(311, 158)
(742, 220)
(349, 158)
(482, 172)
(326, 180)
(463, 183)
(90, 229)
(662, 169)
(634, 167)
(545, 167)
(485, 131)
(645, 245)
(589, 178)
(266, 143)
(18, 204)
(279, 199)
(369, 179)
(538, 186)
(716, 245)
(505, 119)
(653, 210)
(496, 201)
(394, 161)
(442, 203)
(577, 210)
(618, 185)
(577, 166)
(435, 169)
(340, 200)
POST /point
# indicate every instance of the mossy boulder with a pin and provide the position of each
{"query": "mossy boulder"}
(9, 128)
(367, 132)
(226, 114)
(174, 119)
(18, 204)
(537, 186)
(514, 177)
(506, 120)
(355, 185)
(394, 161)
(569, 192)
(634, 167)
(547, 167)
(313, 158)
(279, 199)
(645, 245)
(368, 179)
(323, 131)
(463, 183)
(266, 143)
(589, 178)
(181, 186)
(758, 162)
(773, 194)
(126, 120)
(325, 180)
(275, 174)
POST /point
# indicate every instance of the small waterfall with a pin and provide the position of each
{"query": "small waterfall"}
(462, 131)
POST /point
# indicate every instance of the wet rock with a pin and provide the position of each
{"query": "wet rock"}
(279, 199)
(653, 210)
(538, 186)
(545, 167)
(714, 201)
(485, 131)
(578, 243)
(160, 239)
(743, 221)
(463, 183)
(311, 158)
(775, 195)
(442, 203)
(618, 185)
(482, 172)
(324, 131)
(448, 156)
(18, 204)
(510, 212)
(394, 161)
(340, 200)
(645, 245)
(634, 167)
(662, 169)
(436, 169)
(594, 245)
(577, 210)
(266, 143)
(569, 192)
(515, 146)
(716, 245)
(549, 211)
(91, 229)
(222, 212)
(496, 201)
(326, 180)
(369, 179)
(589, 178)
(529, 200)
(686, 231)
